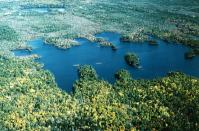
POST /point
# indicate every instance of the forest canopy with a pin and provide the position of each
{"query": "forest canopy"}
(30, 100)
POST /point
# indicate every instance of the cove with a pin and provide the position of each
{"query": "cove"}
(156, 61)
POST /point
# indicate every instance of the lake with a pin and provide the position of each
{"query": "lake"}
(156, 61)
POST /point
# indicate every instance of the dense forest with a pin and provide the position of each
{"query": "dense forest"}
(30, 98)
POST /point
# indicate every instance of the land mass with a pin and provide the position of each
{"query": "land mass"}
(30, 98)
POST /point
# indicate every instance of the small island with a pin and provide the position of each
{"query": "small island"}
(191, 54)
(108, 44)
(152, 42)
(132, 59)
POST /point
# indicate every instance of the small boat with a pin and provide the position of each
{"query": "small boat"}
(76, 65)
(98, 63)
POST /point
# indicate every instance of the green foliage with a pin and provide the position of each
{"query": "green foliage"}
(123, 75)
(30, 100)
(96, 111)
(104, 43)
(169, 103)
(86, 72)
(61, 42)
(7, 33)
(138, 36)
(132, 59)
(168, 23)
(162, 104)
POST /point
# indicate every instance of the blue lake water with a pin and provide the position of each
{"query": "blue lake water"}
(156, 61)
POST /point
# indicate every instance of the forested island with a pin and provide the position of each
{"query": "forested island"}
(30, 98)
(132, 59)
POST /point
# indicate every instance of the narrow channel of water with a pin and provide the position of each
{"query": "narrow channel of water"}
(156, 61)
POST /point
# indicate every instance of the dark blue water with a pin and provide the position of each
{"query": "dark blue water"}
(156, 61)
(22, 52)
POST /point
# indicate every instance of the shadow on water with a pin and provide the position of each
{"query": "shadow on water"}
(156, 61)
